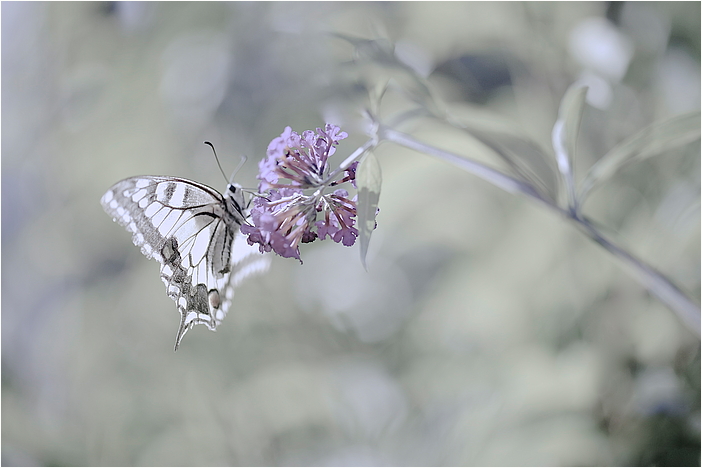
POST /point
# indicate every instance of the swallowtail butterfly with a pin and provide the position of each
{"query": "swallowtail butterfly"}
(193, 232)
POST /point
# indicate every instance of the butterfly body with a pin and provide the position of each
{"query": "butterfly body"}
(193, 232)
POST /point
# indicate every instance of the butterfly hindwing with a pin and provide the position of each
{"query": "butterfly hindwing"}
(189, 228)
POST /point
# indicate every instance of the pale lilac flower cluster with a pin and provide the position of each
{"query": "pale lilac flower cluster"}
(294, 207)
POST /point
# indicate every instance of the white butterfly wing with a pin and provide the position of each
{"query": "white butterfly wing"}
(188, 229)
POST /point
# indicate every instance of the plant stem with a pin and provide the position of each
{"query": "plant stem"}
(657, 283)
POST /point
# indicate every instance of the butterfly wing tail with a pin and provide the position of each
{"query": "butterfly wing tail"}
(182, 330)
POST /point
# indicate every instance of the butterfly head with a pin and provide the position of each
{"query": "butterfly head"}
(234, 198)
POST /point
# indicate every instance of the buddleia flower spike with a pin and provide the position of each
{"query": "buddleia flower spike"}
(300, 201)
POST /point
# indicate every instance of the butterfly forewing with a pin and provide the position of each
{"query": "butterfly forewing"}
(189, 228)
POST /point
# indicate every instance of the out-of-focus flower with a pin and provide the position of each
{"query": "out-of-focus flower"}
(294, 206)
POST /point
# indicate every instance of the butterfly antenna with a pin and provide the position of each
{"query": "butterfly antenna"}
(216, 159)
(243, 160)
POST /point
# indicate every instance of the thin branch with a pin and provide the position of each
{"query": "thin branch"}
(495, 177)
(656, 282)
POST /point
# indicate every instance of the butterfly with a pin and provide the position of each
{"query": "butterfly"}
(193, 232)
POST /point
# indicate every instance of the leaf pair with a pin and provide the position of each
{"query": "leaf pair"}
(656, 139)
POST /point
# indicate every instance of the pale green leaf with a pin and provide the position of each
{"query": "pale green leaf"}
(653, 140)
(368, 180)
(565, 135)
(525, 159)
(571, 112)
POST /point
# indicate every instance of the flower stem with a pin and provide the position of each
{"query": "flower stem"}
(348, 161)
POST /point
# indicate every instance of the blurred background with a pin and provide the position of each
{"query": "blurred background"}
(486, 331)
